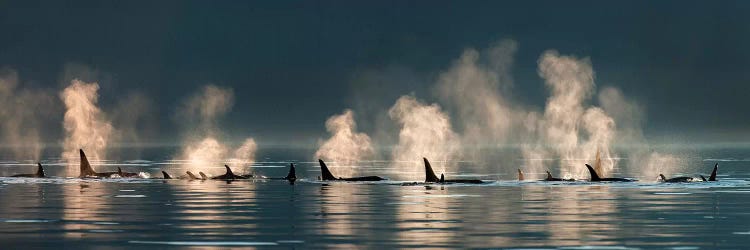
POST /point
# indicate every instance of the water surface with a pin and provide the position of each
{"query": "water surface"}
(119, 213)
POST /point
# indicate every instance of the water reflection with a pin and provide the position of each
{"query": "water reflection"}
(424, 217)
(310, 214)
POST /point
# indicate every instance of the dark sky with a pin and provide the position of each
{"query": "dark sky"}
(293, 64)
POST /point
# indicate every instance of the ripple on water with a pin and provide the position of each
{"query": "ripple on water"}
(427, 196)
(27, 221)
(206, 243)
(106, 223)
(130, 196)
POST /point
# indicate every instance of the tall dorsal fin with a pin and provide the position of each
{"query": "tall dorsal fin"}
(229, 171)
(327, 176)
(549, 176)
(429, 174)
(520, 175)
(292, 174)
(203, 176)
(86, 169)
(39, 170)
(192, 176)
(713, 173)
(166, 176)
(442, 178)
(594, 176)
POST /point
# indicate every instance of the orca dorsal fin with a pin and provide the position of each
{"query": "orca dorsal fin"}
(86, 169)
(520, 175)
(39, 170)
(662, 177)
(119, 171)
(713, 173)
(292, 173)
(203, 176)
(703, 178)
(166, 176)
(429, 174)
(442, 178)
(594, 176)
(327, 176)
(229, 170)
(549, 176)
(192, 176)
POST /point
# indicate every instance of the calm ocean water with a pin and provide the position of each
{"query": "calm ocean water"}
(118, 213)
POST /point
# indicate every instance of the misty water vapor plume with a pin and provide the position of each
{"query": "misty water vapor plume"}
(630, 117)
(23, 113)
(202, 146)
(86, 126)
(573, 132)
(346, 147)
(425, 131)
(472, 90)
(569, 131)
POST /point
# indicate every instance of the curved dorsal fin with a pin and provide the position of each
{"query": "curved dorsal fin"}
(594, 176)
(119, 171)
(192, 176)
(442, 178)
(327, 176)
(549, 176)
(713, 173)
(429, 174)
(166, 176)
(86, 169)
(229, 170)
(520, 175)
(39, 170)
(203, 176)
(662, 177)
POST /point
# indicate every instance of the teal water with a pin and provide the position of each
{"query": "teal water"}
(119, 213)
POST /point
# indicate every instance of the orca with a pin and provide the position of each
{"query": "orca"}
(203, 176)
(713, 174)
(677, 179)
(327, 176)
(166, 176)
(227, 176)
(595, 177)
(88, 172)
(691, 179)
(548, 178)
(39, 173)
(430, 176)
(191, 176)
(126, 174)
(291, 176)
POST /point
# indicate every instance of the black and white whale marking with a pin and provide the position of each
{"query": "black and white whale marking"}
(549, 177)
(690, 179)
